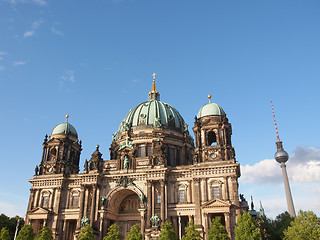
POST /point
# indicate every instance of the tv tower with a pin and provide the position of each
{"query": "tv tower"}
(282, 157)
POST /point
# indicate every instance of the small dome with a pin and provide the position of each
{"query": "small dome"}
(64, 129)
(210, 109)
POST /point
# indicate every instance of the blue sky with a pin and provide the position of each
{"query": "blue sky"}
(94, 60)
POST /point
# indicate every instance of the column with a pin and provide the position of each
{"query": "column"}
(166, 200)
(85, 210)
(190, 218)
(206, 227)
(205, 190)
(52, 199)
(196, 187)
(227, 221)
(153, 198)
(162, 192)
(36, 199)
(97, 203)
(93, 204)
(142, 220)
(82, 196)
(149, 204)
(226, 189)
(31, 199)
(189, 192)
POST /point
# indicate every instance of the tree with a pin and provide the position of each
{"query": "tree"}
(45, 234)
(274, 228)
(247, 228)
(134, 233)
(86, 233)
(191, 232)
(305, 226)
(217, 231)
(167, 232)
(113, 233)
(26, 233)
(10, 223)
(4, 235)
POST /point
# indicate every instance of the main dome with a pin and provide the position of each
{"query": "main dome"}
(153, 113)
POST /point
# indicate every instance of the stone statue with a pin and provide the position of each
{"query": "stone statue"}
(114, 136)
(126, 162)
(103, 201)
(36, 170)
(84, 221)
(155, 221)
(142, 198)
(86, 166)
(157, 122)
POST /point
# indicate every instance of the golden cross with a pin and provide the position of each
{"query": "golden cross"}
(154, 76)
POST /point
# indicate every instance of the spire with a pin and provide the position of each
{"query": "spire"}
(209, 96)
(67, 117)
(154, 94)
(261, 212)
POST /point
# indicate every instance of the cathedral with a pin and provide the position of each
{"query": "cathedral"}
(156, 172)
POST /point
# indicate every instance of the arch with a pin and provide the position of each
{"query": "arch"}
(212, 138)
(118, 194)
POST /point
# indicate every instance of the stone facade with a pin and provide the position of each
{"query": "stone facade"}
(155, 170)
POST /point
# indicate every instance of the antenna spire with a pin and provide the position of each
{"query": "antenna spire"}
(275, 122)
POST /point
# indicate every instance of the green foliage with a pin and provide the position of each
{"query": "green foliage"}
(113, 233)
(191, 232)
(167, 232)
(134, 233)
(45, 234)
(10, 223)
(306, 226)
(273, 229)
(4, 235)
(217, 231)
(86, 233)
(26, 233)
(247, 228)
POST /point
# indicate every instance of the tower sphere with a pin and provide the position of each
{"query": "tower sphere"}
(281, 156)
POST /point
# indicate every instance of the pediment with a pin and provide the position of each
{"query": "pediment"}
(216, 203)
(39, 210)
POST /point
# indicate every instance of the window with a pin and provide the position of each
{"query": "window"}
(149, 149)
(182, 197)
(141, 151)
(159, 198)
(171, 156)
(216, 192)
(45, 201)
(74, 200)
(212, 139)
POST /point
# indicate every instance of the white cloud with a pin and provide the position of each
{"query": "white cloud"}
(40, 2)
(37, 2)
(303, 166)
(56, 31)
(19, 63)
(33, 28)
(67, 77)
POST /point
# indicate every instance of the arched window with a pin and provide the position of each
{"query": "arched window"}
(45, 199)
(212, 139)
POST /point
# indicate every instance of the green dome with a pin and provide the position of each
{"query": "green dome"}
(64, 129)
(151, 114)
(210, 109)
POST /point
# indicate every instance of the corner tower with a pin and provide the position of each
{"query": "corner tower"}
(212, 132)
(61, 153)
